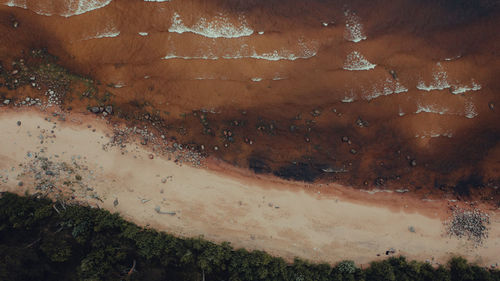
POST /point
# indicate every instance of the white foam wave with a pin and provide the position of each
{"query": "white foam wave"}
(434, 134)
(439, 80)
(109, 32)
(219, 27)
(470, 110)
(306, 51)
(143, 33)
(256, 79)
(353, 28)
(387, 87)
(462, 89)
(349, 97)
(156, 0)
(432, 108)
(73, 8)
(401, 112)
(356, 61)
(278, 77)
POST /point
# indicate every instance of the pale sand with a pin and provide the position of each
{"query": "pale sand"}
(222, 207)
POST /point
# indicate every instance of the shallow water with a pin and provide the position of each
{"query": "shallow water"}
(422, 74)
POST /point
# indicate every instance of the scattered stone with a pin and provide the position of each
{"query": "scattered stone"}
(151, 156)
(353, 151)
(108, 109)
(115, 203)
(20, 183)
(18, 123)
(469, 224)
(316, 112)
(379, 181)
(345, 139)
(413, 163)
(390, 251)
(393, 74)
(411, 229)
(491, 105)
(94, 109)
(362, 123)
(6, 102)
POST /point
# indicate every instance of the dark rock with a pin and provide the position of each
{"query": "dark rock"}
(94, 109)
(109, 109)
(379, 181)
(393, 74)
(362, 123)
(18, 123)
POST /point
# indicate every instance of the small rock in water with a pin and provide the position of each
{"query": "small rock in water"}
(109, 109)
(6, 102)
(413, 163)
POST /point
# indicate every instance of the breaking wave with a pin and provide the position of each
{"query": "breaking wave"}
(356, 61)
(245, 52)
(72, 8)
(440, 81)
(353, 28)
(219, 27)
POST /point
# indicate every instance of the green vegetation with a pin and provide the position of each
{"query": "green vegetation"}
(42, 240)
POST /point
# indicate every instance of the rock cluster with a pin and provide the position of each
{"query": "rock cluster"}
(469, 224)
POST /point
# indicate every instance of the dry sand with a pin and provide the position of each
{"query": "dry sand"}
(313, 224)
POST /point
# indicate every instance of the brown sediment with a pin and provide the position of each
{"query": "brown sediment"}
(293, 128)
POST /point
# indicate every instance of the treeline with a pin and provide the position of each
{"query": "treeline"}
(40, 240)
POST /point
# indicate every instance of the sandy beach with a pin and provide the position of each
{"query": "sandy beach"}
(326, 223)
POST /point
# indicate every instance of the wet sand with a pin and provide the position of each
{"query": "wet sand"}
(313, 221)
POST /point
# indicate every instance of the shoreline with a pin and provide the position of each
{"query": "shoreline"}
(224, 203)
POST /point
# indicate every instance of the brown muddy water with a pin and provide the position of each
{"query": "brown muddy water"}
(386, 94)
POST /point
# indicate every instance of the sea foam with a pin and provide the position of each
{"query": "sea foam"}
(245, 52)
(439, 80)
(73, 8)
(353, 28)
(356, 61)
(219, 27)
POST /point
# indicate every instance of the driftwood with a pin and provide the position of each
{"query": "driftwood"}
(31, 244)
(159, 211)
(55, 208)
(132, 270)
